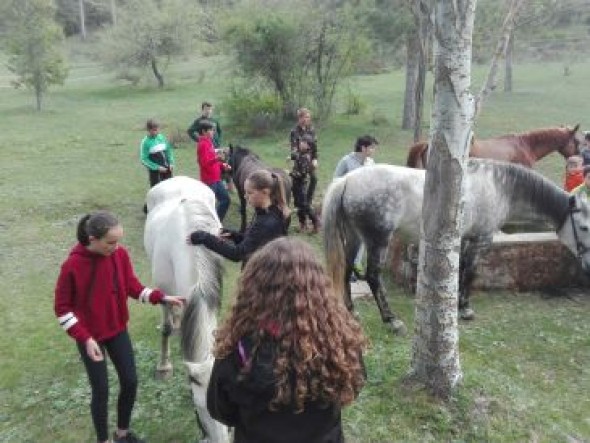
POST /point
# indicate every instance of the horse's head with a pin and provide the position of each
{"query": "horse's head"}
(575, 231)
(574, 138)
(199, 374)
(236, 155)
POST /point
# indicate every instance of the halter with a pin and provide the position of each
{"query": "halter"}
(580, 247)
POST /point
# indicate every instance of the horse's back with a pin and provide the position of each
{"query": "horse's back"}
(179, 187)
(384, 197)
(177, 209)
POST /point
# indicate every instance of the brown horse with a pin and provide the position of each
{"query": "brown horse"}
(524, 149)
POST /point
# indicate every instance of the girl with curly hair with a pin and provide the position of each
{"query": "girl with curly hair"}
(288, 358)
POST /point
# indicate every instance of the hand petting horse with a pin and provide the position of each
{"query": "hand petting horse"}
(373, 203)
(176, 207)
(524, 149)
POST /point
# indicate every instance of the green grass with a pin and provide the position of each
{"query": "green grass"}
(525, 359)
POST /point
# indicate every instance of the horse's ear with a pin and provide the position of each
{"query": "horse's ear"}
(576, 128)
(572, 201)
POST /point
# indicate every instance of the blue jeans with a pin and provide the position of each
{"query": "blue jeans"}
(222, 197)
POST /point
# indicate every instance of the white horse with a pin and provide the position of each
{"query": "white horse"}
(176, 207)
(375, 202)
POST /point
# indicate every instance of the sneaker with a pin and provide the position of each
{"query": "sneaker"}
(129, 438)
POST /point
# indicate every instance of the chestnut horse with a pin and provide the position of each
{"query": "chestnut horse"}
(524, 149)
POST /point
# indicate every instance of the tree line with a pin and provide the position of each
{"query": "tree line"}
(287, 52)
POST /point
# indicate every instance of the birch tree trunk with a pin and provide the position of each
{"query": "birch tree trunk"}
(435, 353)
(82, 19)
(114, 12)
(507, 29)
(508, 64)
(422, 16)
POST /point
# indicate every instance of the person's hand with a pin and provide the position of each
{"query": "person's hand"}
(162, 169)
(174, 300)
(93, 350)
(197, 238)
(314, 163)
(226, 167)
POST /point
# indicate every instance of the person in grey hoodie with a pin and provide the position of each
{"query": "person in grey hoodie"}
(364, 148)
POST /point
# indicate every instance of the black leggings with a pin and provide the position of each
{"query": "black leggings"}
(121, 353)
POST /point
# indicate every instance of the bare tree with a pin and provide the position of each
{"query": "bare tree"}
(82, 19)
(421, 10)
(114, 12)
(435, 353)
(514, 7)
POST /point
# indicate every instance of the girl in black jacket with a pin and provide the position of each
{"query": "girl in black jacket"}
(266, 194)
(289, 355)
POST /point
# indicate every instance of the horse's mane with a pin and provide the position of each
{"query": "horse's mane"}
(525, 185)
(208, 287)
(540, 137)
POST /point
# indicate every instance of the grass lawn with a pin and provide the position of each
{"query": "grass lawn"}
(525, 359)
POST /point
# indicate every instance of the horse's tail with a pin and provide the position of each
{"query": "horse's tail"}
(417, 155)
(336, 231)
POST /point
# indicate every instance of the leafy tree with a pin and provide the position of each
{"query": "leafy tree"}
(148, 35)
(301, 50)
(34, 46)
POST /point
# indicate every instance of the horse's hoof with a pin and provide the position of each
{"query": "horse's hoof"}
(467, 314)
(398, 327)
(163, 373)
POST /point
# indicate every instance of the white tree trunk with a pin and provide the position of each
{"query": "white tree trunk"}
(82, 19)
(114, 12)
(435, 353)
(514, 8)
(508, 64)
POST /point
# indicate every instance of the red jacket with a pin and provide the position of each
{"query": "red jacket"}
(209, 164)
(91, 293)
(573, 179)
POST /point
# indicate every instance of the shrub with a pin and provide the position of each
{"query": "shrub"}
(254, 111)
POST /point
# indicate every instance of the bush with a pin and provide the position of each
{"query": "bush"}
(254, 111)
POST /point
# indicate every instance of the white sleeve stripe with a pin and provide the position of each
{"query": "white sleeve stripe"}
(65, 317)
(144, 297)
(69, 323)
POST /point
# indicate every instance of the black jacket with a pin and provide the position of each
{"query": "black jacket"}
(266, 225)
(241, 401)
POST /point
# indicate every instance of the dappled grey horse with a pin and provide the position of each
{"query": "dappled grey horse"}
(373, 203)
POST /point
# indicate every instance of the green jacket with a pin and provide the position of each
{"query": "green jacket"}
(155, 152)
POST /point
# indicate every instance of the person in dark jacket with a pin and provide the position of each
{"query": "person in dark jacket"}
(289, 356)
(300, 175)
(305, 127)
(91, 306)
(265, 193)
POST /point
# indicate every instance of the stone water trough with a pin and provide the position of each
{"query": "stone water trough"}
(518, 262)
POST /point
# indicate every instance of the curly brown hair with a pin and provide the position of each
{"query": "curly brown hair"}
(319, 342)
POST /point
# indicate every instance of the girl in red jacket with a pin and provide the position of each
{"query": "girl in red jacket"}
(91, 306)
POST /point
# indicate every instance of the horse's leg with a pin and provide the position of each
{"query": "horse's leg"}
(470, 250)
(164, 368)
(243, 211)
(376, 258)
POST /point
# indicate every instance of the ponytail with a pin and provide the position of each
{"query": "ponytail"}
(278, 195)
(81, 231)
(95, 225)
